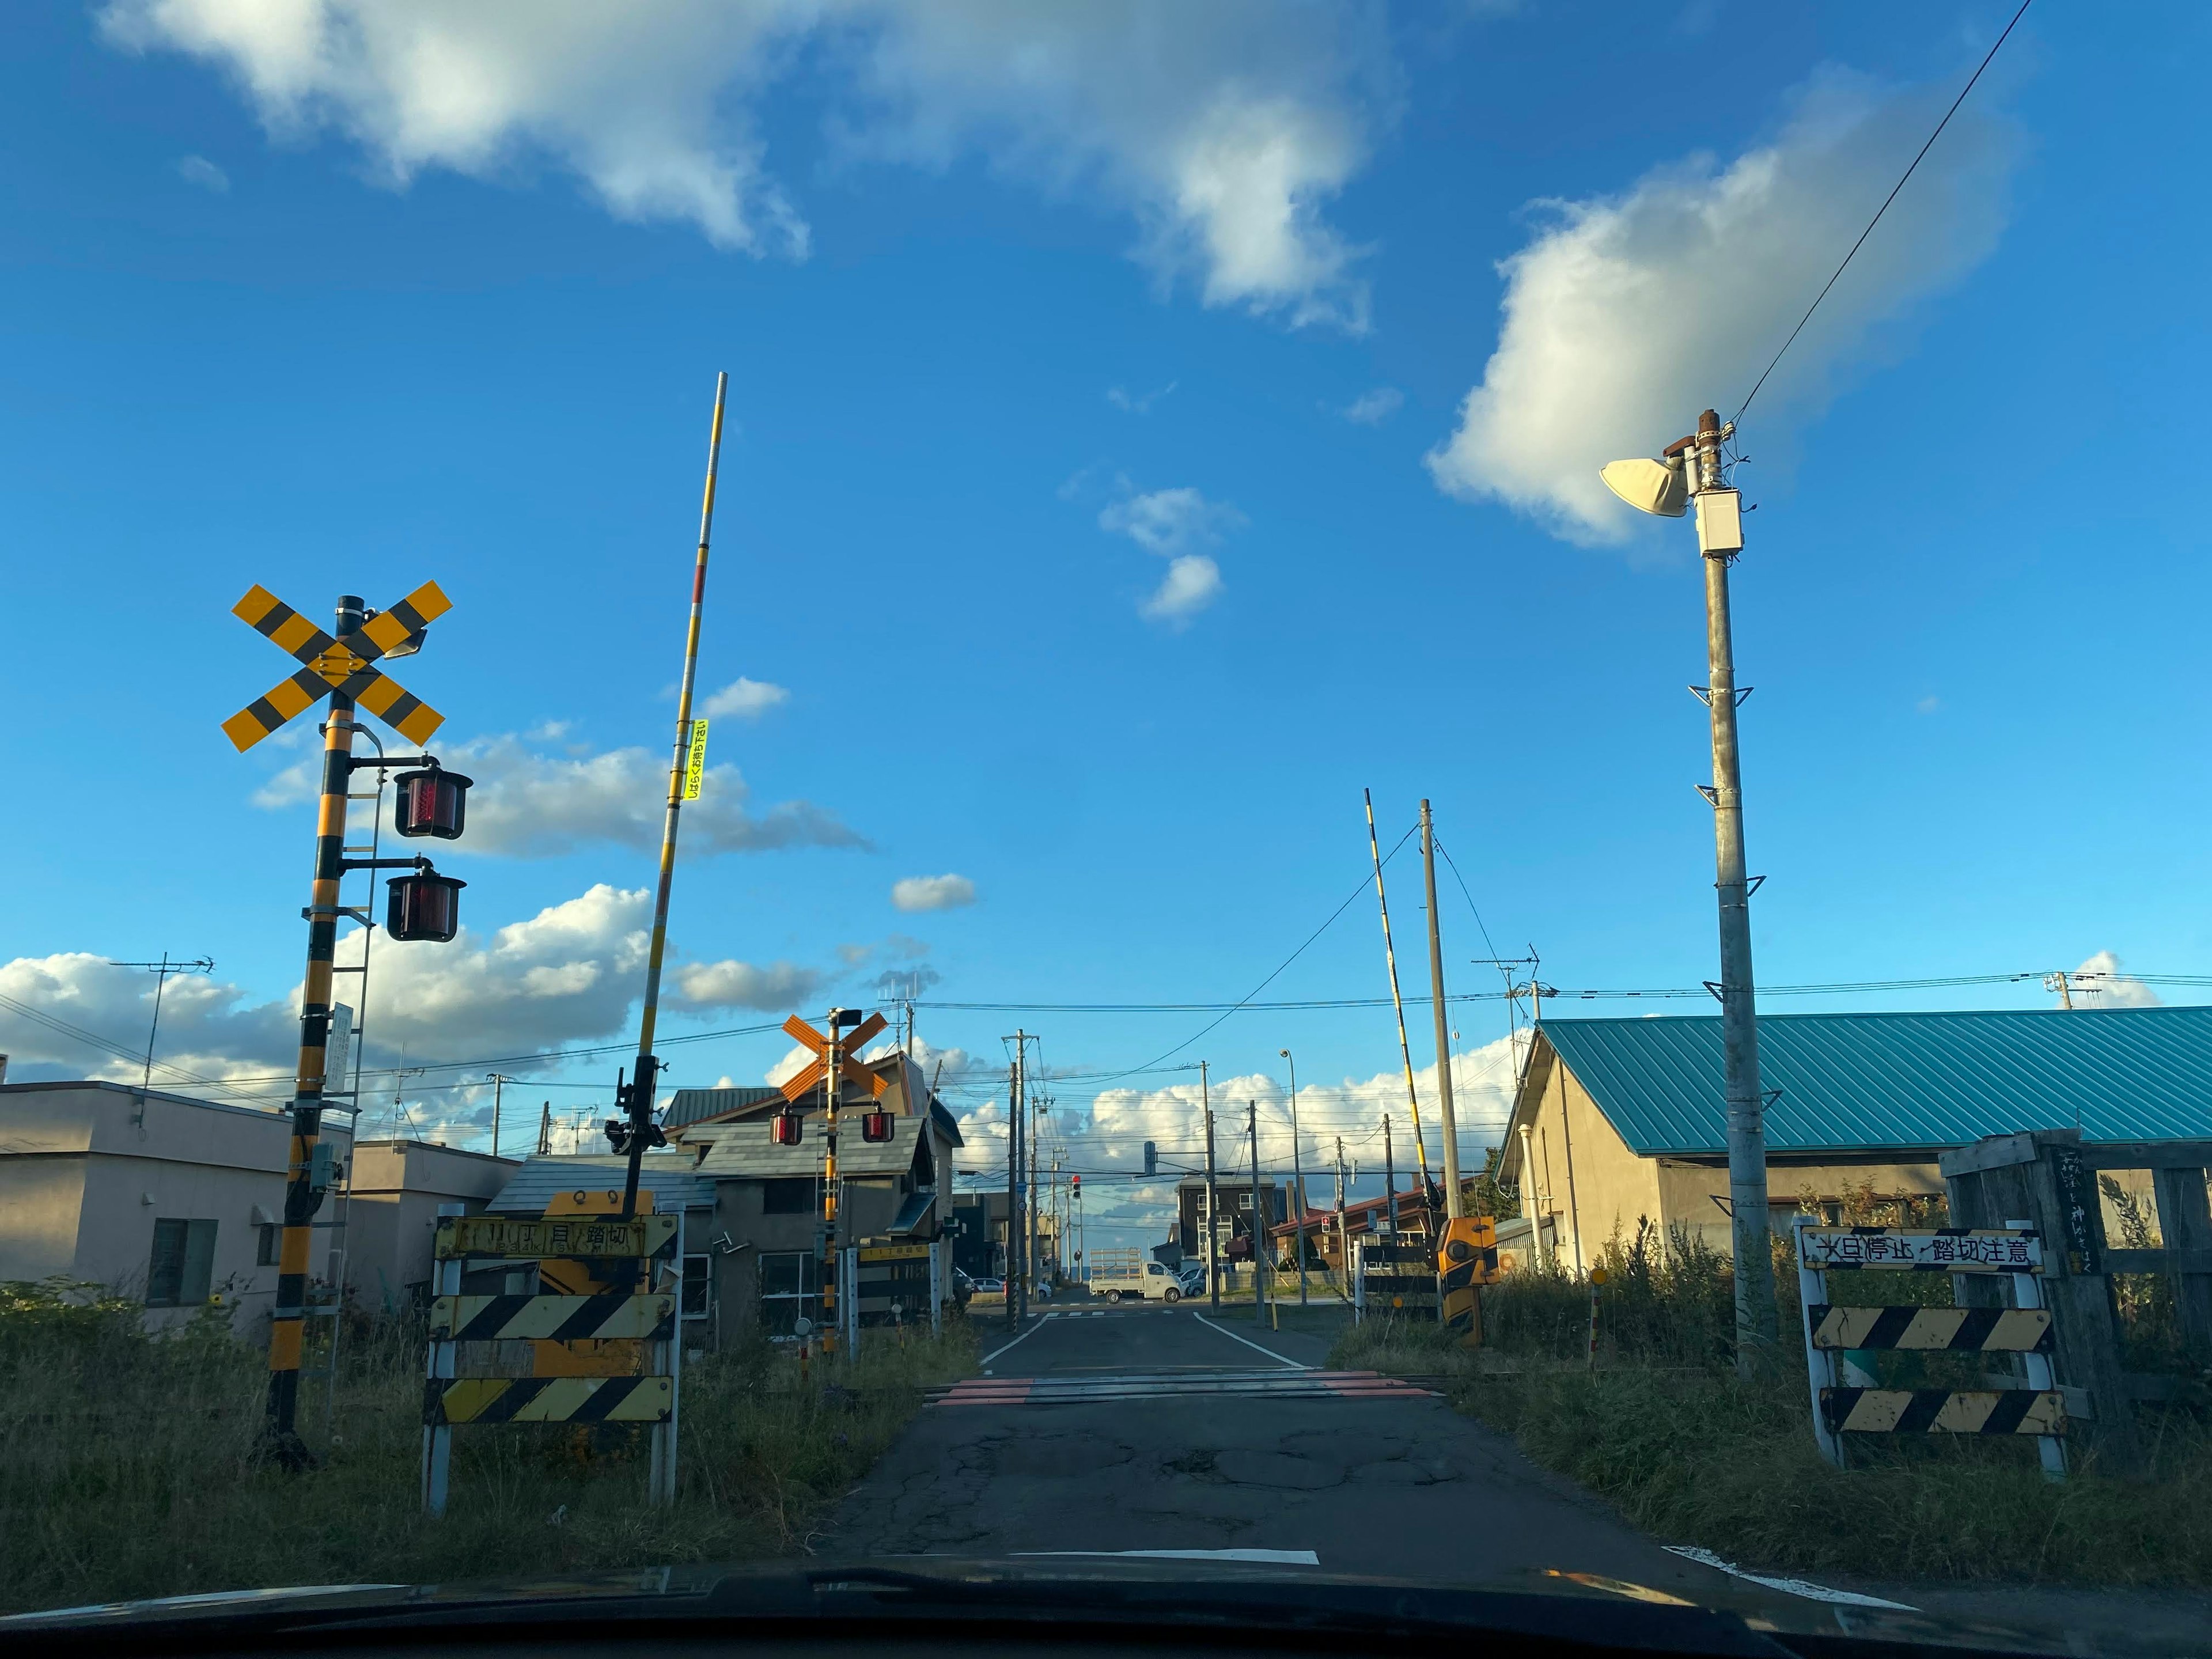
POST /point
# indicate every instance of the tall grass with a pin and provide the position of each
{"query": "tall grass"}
(1662, 1428)
(135, 1463)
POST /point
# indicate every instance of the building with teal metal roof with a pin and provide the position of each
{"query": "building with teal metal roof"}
(1618, 1120)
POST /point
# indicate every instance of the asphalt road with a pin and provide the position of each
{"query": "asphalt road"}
(1401, 1486)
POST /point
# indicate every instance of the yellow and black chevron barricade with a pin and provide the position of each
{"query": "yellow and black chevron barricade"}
(602, 1349)
(1466, 1261)
(1944, 1411)
(346, 666)
(1846, 1397)
(1396, 1279)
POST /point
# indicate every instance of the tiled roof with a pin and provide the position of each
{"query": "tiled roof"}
(743, 1149)
(669, 1175)
(1850, 1082)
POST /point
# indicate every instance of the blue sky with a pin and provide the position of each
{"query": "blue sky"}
(1100, 495)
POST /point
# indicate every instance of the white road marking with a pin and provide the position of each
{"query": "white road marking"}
(1041, 1322)
(1254, 1346)
(1281, 1557)
(1787, 1586)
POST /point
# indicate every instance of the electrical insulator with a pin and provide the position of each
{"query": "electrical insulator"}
(431, 803)
(783, 1128)
(876, 1125)
(424, 906)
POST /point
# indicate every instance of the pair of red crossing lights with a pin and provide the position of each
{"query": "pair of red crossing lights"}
(425, 905)
(785, 1127)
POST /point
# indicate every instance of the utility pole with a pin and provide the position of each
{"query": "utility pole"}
(498, 1094)
(1029, 1146)
(1013, 1189)
(1720, 539)
(1343, 1235)
(545, 1130)
(1259, 1252)
(1454, 1205)
(640, 1098)
(1398, 1003)
(1389, 1183)
(2062, 983)
(1212, 1198)
(1298, 1175)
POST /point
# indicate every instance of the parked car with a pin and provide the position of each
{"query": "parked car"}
(989, 1287)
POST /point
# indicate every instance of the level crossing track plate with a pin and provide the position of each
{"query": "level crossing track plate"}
(1160, 1385)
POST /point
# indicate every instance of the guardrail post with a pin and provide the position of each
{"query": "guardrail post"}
(438, 1440)
(1819, 1363)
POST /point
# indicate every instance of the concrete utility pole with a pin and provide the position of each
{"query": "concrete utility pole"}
(1343, 1235)
(1297, 1175)
(1212, 1199)
(1389, 1183)
(1720, 539)
(545, 1130)
(1260, 1262)
(498, 1094)
(2062, 983)
(1030, 1150)
(1013, 1191)
(1454, 1205)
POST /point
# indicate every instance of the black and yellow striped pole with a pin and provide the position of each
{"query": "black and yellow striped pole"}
(302, 1192)
(640, 1088)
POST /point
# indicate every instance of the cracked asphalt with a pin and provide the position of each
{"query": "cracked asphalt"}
(1403, 1487)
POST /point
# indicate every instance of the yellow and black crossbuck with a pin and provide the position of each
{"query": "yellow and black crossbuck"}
(1985, 1330)
(548, 1400)
(1944, 1411)
(344, 666)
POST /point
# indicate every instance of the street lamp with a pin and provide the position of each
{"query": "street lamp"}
(1297, 1175)
(1668, 487)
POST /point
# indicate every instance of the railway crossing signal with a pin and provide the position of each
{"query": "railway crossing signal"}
(340, 665)
(833, 1065)
(850, 1069)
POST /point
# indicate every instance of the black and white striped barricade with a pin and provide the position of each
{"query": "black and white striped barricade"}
(1395, 1279)
(891, 1285)
(586, 1391)
(1847, 1399)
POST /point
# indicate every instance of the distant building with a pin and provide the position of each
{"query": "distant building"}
(1619, 1120)
(180, 1202)
(1233, 1218)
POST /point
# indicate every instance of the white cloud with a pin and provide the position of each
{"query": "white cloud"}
(1192, 582)
(198, 170)
(528, 804)
(776, 988)
(2111, 989)
(745, 700)
(946, 892)
(1373, 408)
(1175, 523)
(209, 1032)
(1625, 315)
(1223, 129)
(1142, 404)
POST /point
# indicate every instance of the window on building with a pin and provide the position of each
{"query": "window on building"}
(697, 1279)
(268, 1238)
(788, 1291)
(183, 1264)
(787, 1195)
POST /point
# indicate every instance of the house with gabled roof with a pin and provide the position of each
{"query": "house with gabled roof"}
(1616, 1120)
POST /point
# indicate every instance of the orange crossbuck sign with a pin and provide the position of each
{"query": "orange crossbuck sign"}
(848, 1068)
(343, 665)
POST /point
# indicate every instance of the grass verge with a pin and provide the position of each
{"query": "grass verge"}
(134, 1465)
(1689, 1454)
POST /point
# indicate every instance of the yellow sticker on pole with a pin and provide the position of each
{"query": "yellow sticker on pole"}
(695, 768)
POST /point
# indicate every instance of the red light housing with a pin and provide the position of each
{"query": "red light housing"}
(783, 1128)
(876, 1125)
(423, 906)
(431, 803)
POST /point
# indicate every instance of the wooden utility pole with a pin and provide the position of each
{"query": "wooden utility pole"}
(1454, 1205)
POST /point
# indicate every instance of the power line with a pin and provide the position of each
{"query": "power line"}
(1884, 207)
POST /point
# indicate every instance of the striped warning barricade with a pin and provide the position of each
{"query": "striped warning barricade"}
(548, 1400)
(1944, 1411)
(552, 1318)
(1981, 1330)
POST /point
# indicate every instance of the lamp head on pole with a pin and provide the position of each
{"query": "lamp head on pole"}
(1654, 486)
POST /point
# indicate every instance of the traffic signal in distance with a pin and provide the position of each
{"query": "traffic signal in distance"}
(1151, 1157)
(1075, 1182)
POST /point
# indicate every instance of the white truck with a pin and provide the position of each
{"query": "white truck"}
(1128, 1275)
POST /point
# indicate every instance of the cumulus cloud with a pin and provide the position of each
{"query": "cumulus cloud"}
(946, 892)
(1223, 130)
(2101, 976)
(75, 1015)
(531, 804)
(1175, 523)
(1373, 408)
(744, 700)
(776, 988)
(199, 171)
(1626, 314)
